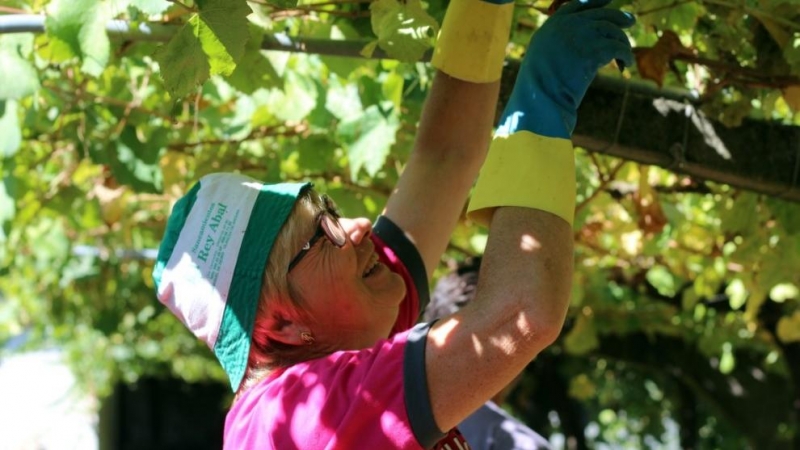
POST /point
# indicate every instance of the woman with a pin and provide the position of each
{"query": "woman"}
(312, 315)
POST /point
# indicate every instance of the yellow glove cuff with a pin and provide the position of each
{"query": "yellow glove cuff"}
(526, 170)
(472, 41)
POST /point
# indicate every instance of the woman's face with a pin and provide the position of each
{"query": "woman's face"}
(351, 299)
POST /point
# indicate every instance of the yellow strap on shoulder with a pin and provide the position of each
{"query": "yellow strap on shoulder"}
(526, 170)
(472, 41)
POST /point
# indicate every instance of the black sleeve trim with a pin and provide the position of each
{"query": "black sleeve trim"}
(396, 239)
(415, 382)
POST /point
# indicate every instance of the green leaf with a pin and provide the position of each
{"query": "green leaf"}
(737, 293)
(7, 209)
(404, 29)
(788, 329)
(582, 338)
(392, 87)
(19, 77)
(368, 139)
(223, 31)
(79, 27)
(211, 43)
(298, 98)
(184, 65)
(9, 129)
(151, 7)
(582, 387)
(787, 214)
(135, 163)
(680, 16)
(662, 280)
(369, 49)
(343, 100)
(727, 360)
(784, 291)
(740, 214)
(316, 153)
(254, 71)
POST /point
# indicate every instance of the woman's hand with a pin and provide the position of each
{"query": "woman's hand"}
(562, 60)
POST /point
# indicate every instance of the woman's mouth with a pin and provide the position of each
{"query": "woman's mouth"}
(372, 266)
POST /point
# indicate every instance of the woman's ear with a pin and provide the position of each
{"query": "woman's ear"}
(287, 331)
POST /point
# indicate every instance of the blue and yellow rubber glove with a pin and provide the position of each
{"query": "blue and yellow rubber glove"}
(530, 162)
(473, 38)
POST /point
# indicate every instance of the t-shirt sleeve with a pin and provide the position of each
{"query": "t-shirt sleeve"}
(401, 256)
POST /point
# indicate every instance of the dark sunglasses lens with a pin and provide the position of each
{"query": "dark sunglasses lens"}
(333, 229)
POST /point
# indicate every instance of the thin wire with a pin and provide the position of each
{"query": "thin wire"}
(679, 154)
(620, 120)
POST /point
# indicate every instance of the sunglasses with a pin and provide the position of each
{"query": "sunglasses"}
(328, 226)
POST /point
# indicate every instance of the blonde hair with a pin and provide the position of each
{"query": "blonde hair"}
(279, 301)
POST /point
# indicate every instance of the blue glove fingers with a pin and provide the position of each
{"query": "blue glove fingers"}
(619, 18)
(615, 36)
(607, 50)
(580, 5)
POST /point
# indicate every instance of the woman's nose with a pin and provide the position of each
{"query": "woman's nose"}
(357, 228)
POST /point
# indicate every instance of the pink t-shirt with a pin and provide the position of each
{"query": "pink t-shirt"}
(375, 398)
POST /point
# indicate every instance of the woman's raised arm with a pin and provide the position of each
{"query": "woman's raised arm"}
(456, 124)
(525, 194)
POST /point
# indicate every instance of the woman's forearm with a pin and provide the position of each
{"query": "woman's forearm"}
(451, 144)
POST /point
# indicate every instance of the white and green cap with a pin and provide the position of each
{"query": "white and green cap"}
(211, 262)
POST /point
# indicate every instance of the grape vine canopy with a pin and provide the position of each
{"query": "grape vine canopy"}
(685, 305)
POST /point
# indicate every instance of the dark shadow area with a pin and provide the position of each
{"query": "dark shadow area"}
(164, 414)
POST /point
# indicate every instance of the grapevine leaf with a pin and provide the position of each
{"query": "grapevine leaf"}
(738, 216)
(211, 43)
(737, 294)
(184, 65)
(653, 62)
(784, 291)
(582, 338)
(136, 163)
(7, 210)
(369, 49)
(224, 32)
(680, 16)
(316, 153)
(789, 328)
(19, 77)
(787, 214)
(582, 387)
(79, 26)
(663, 281)
(404, 29)
(343, 100)
(368, 139)
(727, 361)
(9, 129)
(254, 70)
(298, 98)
